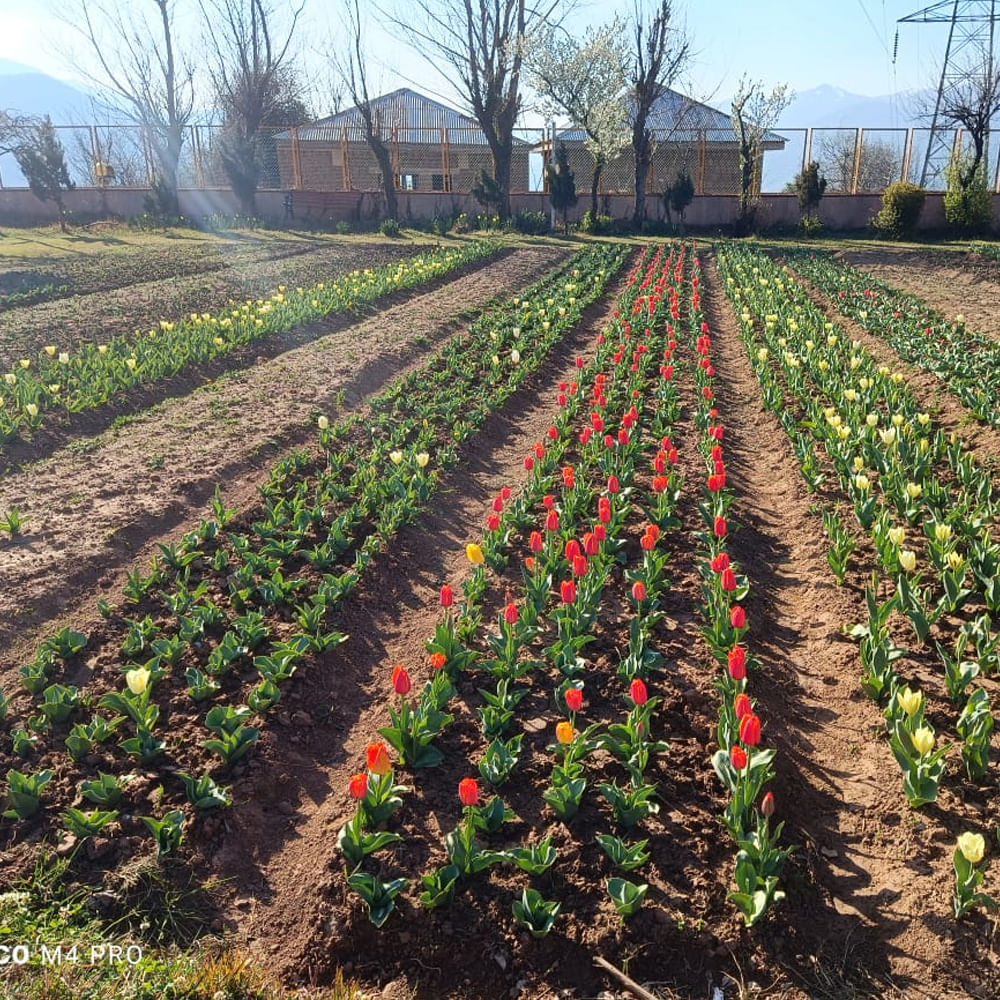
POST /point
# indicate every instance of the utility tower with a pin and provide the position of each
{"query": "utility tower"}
(971, 26)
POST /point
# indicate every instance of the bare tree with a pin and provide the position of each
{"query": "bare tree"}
(253, 83)
(140, 72)
(879, 165)
(585, 79)
(659, 55)
(352, 69)
(971, 102)
(479, 46)
(754, 114)
(115, 148)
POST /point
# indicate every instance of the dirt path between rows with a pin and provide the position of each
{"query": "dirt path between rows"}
(99, 505)
(282, 850)
(868, 903)
(950, 287)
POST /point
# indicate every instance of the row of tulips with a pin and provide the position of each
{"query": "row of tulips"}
(898, 472)
(968, 363)
(571, 555)
(92, 374)
(238, 594)
(742, 764)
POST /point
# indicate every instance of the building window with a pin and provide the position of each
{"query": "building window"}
(406, 182)
(440, 182)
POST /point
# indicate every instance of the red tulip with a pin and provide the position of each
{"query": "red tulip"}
(638, 591)
(660, 463)
(737, 757)
(493, 522)
(574, 699)
(358, 785)
(400, 680)
(572, 550)
(660, 484)
(438, 660)
(597, 422)
(553, 434)
(720, 527)
(706, 392)
(539, 450)
(672, 456)
(715, 483)
(468, 791)
(720, 470)
(590, 544)
(447, 596)
(580, 566)
(600, 532)
(561, 399)
(648, 542)
(750, 730)
(529, 463)
(552, 521)
(728, 580)
(637, 691)
(716, 453)
(535, 541)
(585, 435)
(623, 436)
(579, 362)
(548, 501)
(737, 616)
(567, 474)
(567, 590)
(720, 562)
(377, 758)
(505, 493)
(609, 441)
(497, 505)
(613, 486)
(510, 613)
(742, 706)
(737, 663)
(767, 805)
(604, 510)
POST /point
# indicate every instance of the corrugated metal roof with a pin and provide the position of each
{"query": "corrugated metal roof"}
(680, 118)
(414, 117)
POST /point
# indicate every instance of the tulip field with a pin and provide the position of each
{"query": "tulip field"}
(562, 620)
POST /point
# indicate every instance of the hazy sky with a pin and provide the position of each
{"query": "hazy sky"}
(847, 43)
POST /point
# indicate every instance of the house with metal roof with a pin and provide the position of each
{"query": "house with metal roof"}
(687, 135)
(433, 148)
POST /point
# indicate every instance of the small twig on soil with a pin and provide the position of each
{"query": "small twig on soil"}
(630, 984)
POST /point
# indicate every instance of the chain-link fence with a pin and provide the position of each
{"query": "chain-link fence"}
(337, 158)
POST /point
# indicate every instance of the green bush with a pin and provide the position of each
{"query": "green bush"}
(342, 228)
(810, 225)
(389, 227)
(969, 209)
(531, 223)
(461, 223)
(902, 204)
(598, 225)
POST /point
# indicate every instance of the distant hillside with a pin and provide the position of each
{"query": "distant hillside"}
(30, 92)
(827, 106)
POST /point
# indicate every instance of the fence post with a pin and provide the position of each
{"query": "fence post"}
(807, 149)
(199, 163)
(699, 187)
(296, 161)
(858, 138)
(907, 155)
(345, 159)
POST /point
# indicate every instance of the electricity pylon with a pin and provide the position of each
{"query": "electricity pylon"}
(971, 26)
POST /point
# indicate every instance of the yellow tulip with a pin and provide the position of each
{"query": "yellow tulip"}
(955, 561)
(972, 846)
(395, 457)
(897, 536)
(942, 532)
(323, 423)
(908, 560)
(25, 363)
(888, 436)
(31, 409)
(564, 732)
(909, 701)
(872, 420)
(422, 459)
(515, 356)
(10, 378)
(913, 490)
(474, 554)
(923, 740)
(861, 482)
(137, 680)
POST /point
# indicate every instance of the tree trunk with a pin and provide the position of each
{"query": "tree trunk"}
(640, 143)
(384, 160)
(502, 156)
(595, 184)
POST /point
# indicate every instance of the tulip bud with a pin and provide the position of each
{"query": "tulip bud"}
(468, 791)
(137, 680)
(474, 554)
(358, 786)
(447, 596)
(567, 591)
(638, 591)
(323, 423)
(742, 706)
(737, 660)
(923, 740)
(972, 847)
(637, 691)
(737, 757)
(750, 730)
(564, 732)
(395, 457)
(400, 680)
(574, 699)
(767, 805)
(510, 613)
(908, 560)
(737, 616)
(535, 541)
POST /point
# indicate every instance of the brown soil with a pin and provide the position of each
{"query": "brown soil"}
(869, 897)
(946, 282)
(98, 505)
